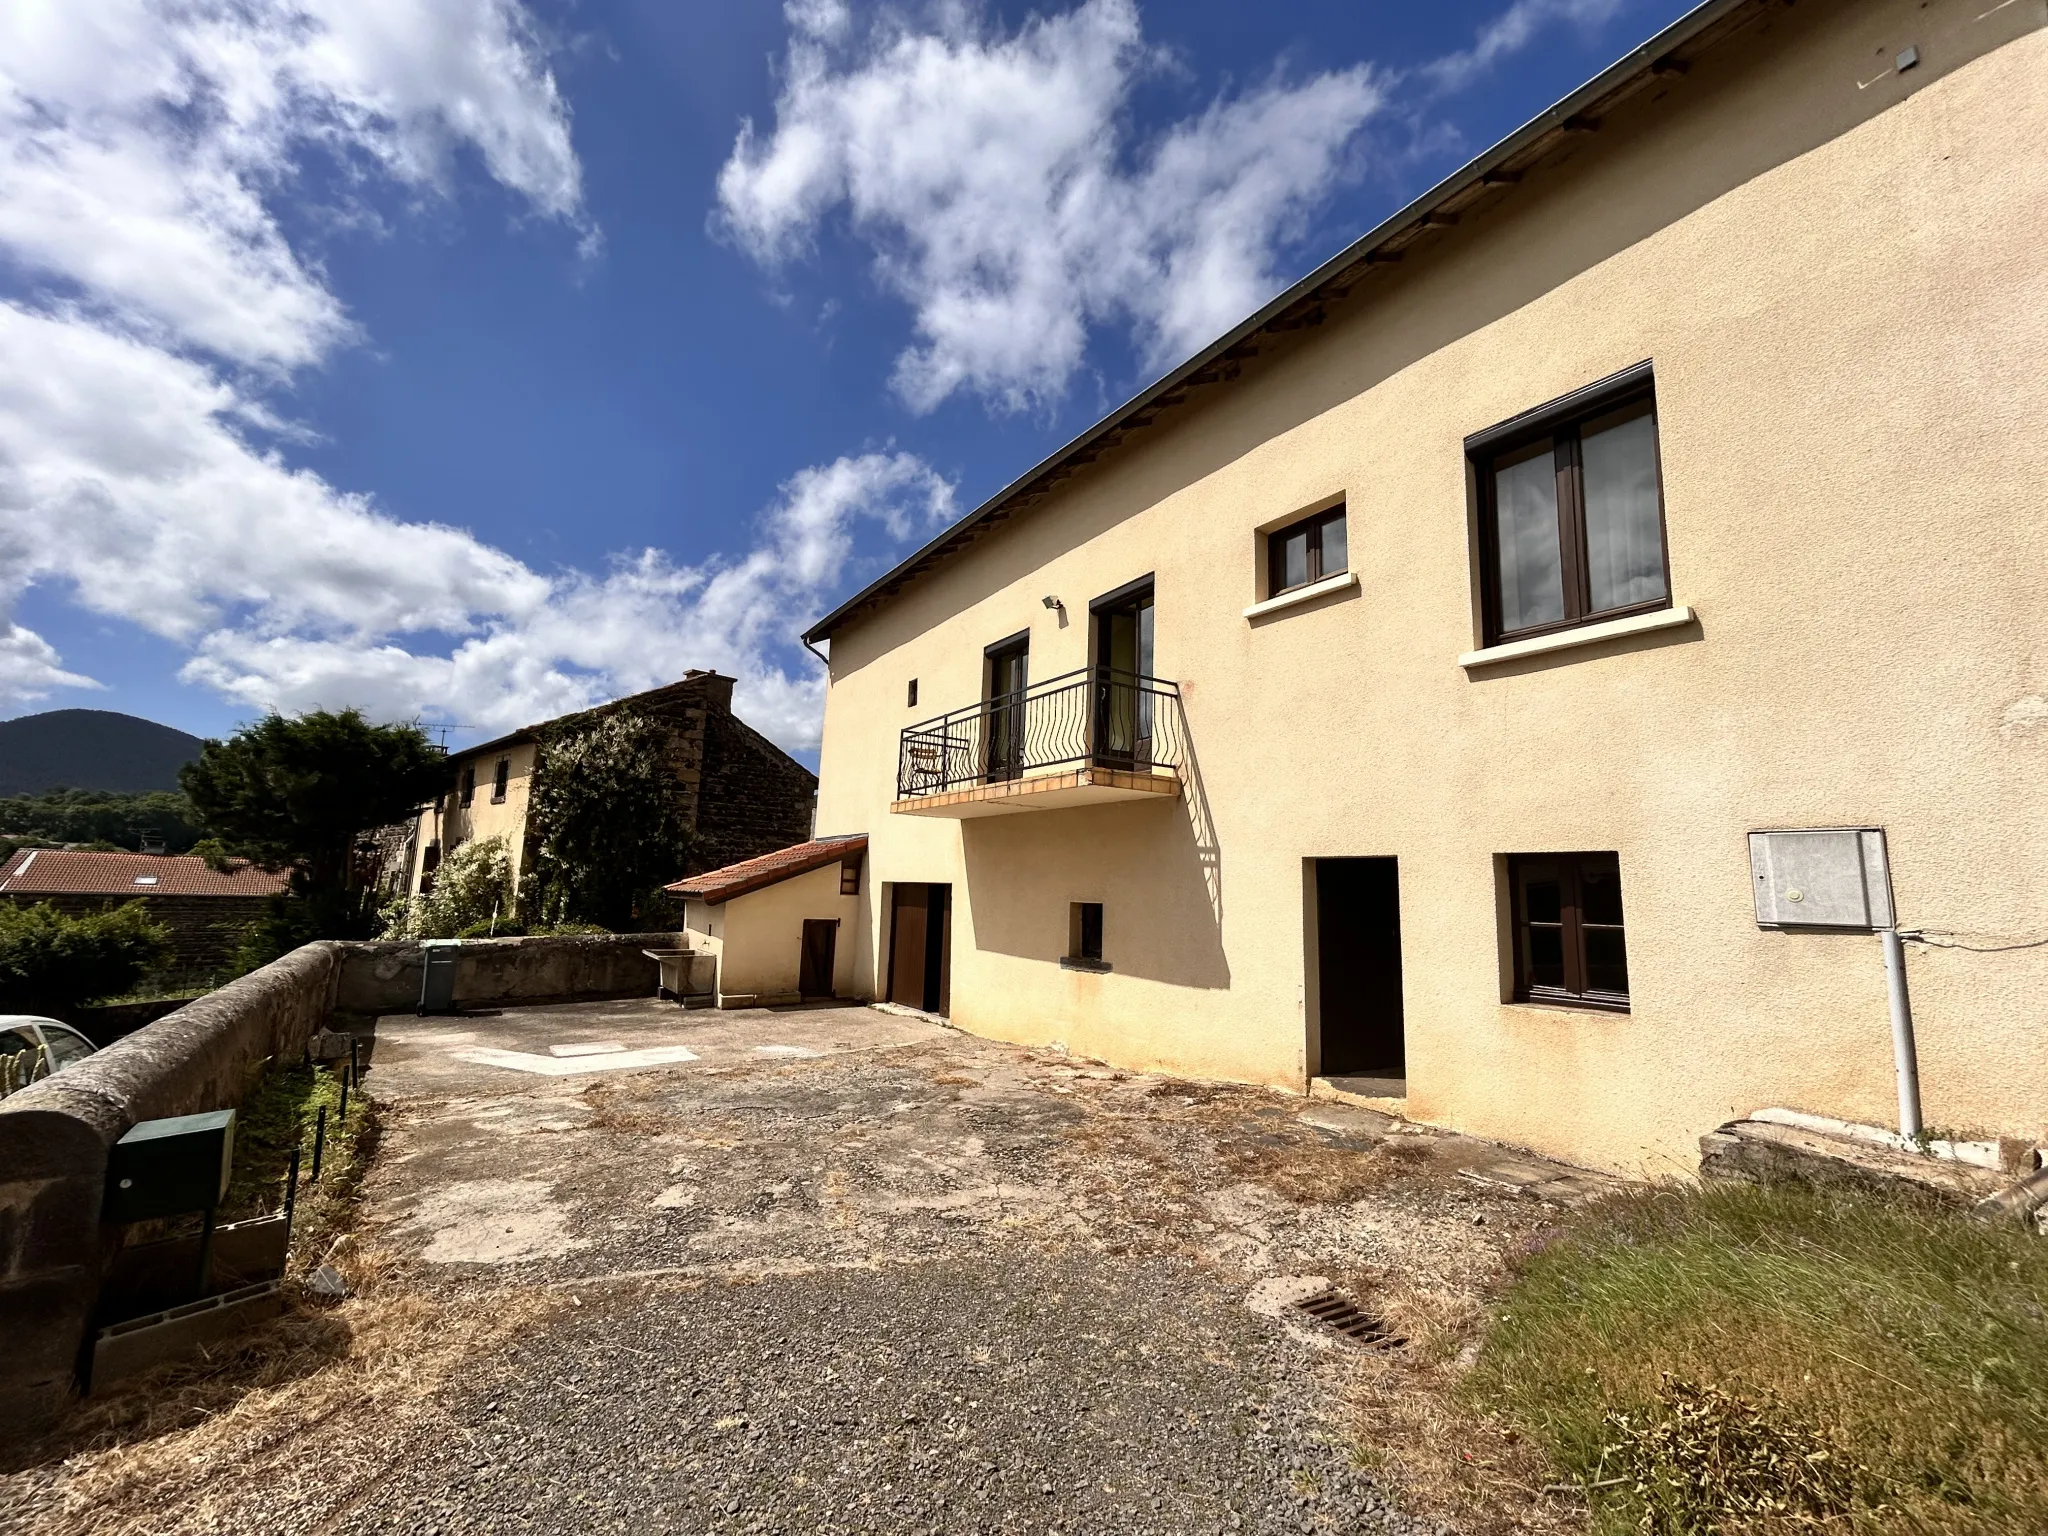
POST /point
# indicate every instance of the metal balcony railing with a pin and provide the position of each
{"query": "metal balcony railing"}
(1098, 717)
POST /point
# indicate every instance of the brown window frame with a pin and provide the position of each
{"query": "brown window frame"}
(1561, 421)
(501, 779)
(1570, 869)
(1276, 542)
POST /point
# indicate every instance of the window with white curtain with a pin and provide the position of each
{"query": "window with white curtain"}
(1572, 512)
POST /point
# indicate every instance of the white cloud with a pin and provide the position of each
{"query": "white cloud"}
(1512, 31)
(640, 625)
(144, 148)
(141, 139)
(29, 670)
(993, 176)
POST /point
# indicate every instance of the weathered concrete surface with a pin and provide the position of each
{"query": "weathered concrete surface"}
(1759, 1151)
(845, 1271)
(380, 976)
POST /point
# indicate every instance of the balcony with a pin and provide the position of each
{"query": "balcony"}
(1082, 738)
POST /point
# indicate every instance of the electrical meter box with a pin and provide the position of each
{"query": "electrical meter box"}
(169, 1167)
(437, 978)
(1830, 877)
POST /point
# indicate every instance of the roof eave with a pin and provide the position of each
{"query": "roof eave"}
(1616, 75)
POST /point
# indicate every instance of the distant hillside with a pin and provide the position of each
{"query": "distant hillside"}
(90, 749)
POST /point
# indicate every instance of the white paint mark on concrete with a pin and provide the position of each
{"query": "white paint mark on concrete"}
(495, 1221)
(549, 1066)
(587, 1048)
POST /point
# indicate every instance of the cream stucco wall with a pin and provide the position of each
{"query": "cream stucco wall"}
(758, 938)
(1842, 291)
(452, 824)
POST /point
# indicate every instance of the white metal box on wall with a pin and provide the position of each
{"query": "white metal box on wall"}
(1833, 877)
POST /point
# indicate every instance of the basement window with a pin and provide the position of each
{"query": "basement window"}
(1084, 937)
(1569, 942)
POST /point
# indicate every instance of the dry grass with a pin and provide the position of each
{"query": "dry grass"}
(187, 1447)
(630, 1107)
(1450, 1462)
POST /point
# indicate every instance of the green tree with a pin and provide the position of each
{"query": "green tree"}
(51, 964)
(606, 824)
(99, 816)
(303, 793)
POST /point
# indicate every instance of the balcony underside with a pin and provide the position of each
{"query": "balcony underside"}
(1042, 792)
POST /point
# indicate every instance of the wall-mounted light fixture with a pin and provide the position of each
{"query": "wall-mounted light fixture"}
(1054, 603)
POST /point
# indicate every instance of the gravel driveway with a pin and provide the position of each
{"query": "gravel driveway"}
(840, 1270)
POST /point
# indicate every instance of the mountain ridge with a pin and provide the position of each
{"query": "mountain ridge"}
(91, 749)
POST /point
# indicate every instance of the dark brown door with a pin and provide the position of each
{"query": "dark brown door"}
(908, 915)
(1358, 943)
(821, 940)
(1123, 678)
(920, 969)
(1008, 677)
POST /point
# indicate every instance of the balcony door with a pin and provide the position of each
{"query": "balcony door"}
(1123, 677)
(1009, 666)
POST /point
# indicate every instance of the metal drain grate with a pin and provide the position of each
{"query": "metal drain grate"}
(1337, 1312)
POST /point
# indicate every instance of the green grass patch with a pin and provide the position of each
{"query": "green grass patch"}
(1737, 1358)
(283, 1111)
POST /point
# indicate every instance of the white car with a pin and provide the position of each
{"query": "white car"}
(32, 1048)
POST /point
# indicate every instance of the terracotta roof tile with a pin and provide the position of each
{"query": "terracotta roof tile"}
(716, 885)
(80, 872)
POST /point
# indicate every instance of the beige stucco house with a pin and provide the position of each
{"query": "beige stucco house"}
(767, 930)
(1391, 691)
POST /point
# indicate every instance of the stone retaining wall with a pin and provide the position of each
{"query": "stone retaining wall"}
(54, 1135)
(379, 977)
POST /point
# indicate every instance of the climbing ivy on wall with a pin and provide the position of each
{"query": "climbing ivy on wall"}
(605, 825)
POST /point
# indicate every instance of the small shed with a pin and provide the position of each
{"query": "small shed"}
(773, 924)
(205, 909)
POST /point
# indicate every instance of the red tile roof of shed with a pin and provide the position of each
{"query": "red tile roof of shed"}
(80, 872)
(716, 885)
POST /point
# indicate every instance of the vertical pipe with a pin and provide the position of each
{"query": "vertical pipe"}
(1904, 1058)
(206, 1252)
(319, 1142)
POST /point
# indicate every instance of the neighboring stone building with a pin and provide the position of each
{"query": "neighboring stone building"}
(204, 908)
(742, 794)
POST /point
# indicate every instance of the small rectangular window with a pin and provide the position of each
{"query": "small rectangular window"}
(1084, 937)
(912, 701)
(1569, 941)
(469, 784)
(500, 777)
(1572, 512)
(849, 878)
(1306, 552)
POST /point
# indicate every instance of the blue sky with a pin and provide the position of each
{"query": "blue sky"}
(470, 362)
